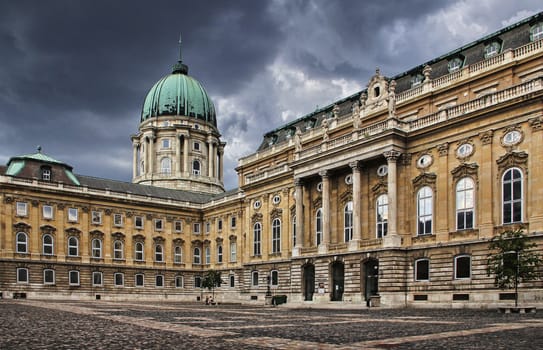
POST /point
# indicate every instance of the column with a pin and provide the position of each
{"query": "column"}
(151, 154)
(186, 155)
(299, 217)
(221, 171)
(392, 239)
(178, 154)
(215, 163)
(357, 179)
(442, 196)
(210, 158)
(487, 182)
(323, 247)
(135, 164)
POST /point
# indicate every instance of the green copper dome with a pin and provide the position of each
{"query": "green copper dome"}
(179, 94)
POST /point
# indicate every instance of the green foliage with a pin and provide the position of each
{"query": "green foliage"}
(211, 279)
(512, 260)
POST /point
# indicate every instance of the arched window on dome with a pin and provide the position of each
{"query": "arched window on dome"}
(166, 165)
(196, 168)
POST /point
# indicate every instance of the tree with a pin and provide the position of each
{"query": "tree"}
(512, 260)
(212, 279)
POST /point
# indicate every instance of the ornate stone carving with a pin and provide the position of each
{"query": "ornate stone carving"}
(257, 217)
(465, 169)
(159, 239)
(424, 179)
(535, 123)
(107, 211)
(346, 197)
(22, 226)
(35, 203)
(406, 159)
(96, 234)
(392, 99)
(72, 231)
(512, 159)
(392, 156)
(276, 213)
(118, 236)
(233, 238)
(486, 137)
(443, 149)
(8, 199)
(129, 214)
(335, 111)
(48, 229)
(298, 140)
(379, 188)
(138, 238)
(426, 71)
(178, 241)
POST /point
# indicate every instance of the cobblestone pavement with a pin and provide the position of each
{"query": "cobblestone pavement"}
(32, 324)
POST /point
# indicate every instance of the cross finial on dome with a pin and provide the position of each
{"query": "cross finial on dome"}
(180, 52)
(39, 149)
(179, 67)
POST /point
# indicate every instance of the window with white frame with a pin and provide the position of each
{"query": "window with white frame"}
(424, 211)
(208, 227)
(348, 221)
(96, 248)
(274, 278)
(465, 204)
(21, 209)
(48, 276)
(197, 282)
(381, 219)
(422, 270)
(47, 212)
(219, 254)
(492, 49)
(179, 282)
(207, 252)
(455, 64)
(159, 253)
(97, 278)
(196, 169)
(276, 236)
(96, 217)
(536, 32)
(177, 255)
(139, 280)
(73, 277)
(196, 146)
(118, 279)
(196, 228)
(196, 257)
(46, 174)
(512, 196)
(166, 165)
(254, 278)
(257, 239)
(73, 246)
(233, 252)
(159, 281)
(293, 230)
(159, 225)
(138, 250)
(165, 143)
(118, 250)
(47, 244)
(22, 275)
(138, 222)
(462, 267)
(21, 242)
(232, 280)
(178, 226)
(318, 226)
(72, 215)
(118, 220)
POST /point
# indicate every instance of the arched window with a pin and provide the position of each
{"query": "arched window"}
(73, 246)
(219, 253)
(22, 242)
(96, 248)
(465, 204)
(422, 269)
(276, 236)
(47, 245)
(139, 251)
(118, 250)
(462, 267)
(166, 165)
(177, 255)
(208, 255)
(424, 211)
(381, 219)
(196, 169)
(318, 226)
(197, 257)
(159, 253)
(348, 221)
(257, 239)
(512, 196)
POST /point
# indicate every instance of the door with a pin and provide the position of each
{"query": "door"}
(371, 286)
(309, 281)
(338, 277)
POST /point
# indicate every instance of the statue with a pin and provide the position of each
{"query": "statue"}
(335, 111)
(298, 140)
(325, 136)
(392, 99)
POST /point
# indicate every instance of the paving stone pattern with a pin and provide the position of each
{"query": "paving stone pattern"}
(32, 324)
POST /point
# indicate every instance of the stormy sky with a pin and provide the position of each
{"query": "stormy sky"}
(73, 74)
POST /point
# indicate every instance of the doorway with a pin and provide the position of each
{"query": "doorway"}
(309, 281)
(371, 274)
(338, 279)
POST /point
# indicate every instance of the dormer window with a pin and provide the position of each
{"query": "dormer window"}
(376, 91)
(455, 64)
(46, 173)
(310, 124)
(536, 32)
(492, 49)
(417, 80)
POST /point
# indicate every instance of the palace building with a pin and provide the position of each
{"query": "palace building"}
(390, 195)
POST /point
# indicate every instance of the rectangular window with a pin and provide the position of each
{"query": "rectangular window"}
(22, 209)
(48, 276)
(138, 222)
(159, 281)
(197, 282)
(118, 220)
(96, 278)
(165, 143)
(159, 224)
(119, 279)
(178, 226)
(179, 282)
(233, 252)
(96, 217)
(254, 279)
(422, 270)
(274, 278)
(74, 278)
(22, 275)
(208, 255)
(196, 228)
(232, 280)
(72, 215)
(233, 222)
(208, 227)
(219, 225)
(47, 212)
(462, 267)
(196, 146)
(139, 280)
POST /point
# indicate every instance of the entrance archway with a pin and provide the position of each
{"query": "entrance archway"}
(371, 278)
(308, 281)
(338, 279)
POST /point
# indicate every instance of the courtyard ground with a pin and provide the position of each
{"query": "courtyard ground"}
(34, 324)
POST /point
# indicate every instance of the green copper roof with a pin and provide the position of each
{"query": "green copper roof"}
(180, 95)
(15, 166)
